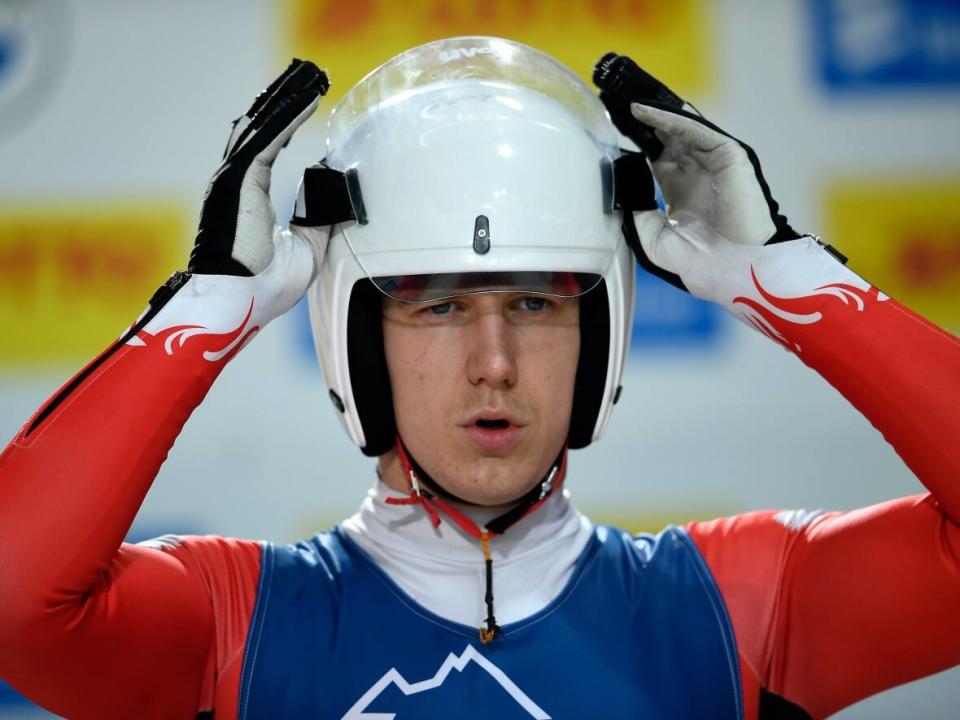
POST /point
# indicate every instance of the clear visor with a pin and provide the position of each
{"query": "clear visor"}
(425, 288)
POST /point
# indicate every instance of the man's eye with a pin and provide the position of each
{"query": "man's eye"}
(534, 304)
(441, 309)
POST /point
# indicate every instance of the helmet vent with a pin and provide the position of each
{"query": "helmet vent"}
(481, 235)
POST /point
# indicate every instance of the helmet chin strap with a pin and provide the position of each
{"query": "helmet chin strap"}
(410, 463)
(425, 491)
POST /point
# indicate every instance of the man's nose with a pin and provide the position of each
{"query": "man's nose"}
(492, 359)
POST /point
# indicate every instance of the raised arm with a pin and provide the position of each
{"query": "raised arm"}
(827, 608)
(91, 627)
(724, 239)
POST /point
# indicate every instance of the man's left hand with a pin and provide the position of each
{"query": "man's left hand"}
(720, 217)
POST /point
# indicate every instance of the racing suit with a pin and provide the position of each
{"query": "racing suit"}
(765, 614)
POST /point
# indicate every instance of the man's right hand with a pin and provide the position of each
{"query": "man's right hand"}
(82, 613)
(238, 236)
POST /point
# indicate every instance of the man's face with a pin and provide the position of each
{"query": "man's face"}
(483, 387)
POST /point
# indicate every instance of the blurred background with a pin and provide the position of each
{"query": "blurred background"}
(114, 114)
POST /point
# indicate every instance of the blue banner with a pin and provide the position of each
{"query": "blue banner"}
(668, 318)
(875, 44)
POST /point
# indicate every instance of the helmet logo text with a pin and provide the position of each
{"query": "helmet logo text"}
(466, 52)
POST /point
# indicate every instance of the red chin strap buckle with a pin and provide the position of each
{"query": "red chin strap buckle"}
(417, 495)
(433, 504)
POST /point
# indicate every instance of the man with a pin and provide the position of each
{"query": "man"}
(471, 311)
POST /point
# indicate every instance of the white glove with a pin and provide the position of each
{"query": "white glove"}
(723, 235)
(245, 271)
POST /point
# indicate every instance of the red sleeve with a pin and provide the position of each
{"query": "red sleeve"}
(92, 628)
(901, 371)
(829, 609)
(229, 570)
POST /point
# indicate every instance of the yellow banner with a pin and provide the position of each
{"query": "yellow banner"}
(73, 277)
(904, 238)
(349, 39)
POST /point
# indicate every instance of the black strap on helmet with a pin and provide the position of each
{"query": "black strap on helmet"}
(633, 186)
(328, 197)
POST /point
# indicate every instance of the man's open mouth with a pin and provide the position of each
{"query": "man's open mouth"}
(493, 424)
(494, 434)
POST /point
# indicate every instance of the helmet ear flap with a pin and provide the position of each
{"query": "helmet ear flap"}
(592, 369)
(367, 361)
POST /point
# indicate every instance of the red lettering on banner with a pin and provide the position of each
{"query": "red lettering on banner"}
(86, 268)
(19, 267)
(486, 11)
(646, 13)
(336, 17)
(72, 276)
(132, 267)
(925, 263)
(602, 9)
(76, 262)
(474, 17)
(442, 13)
(642, 10)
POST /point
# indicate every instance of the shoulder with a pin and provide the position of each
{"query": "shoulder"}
(319, 562)
(670, 556)
(210, 554)
(642, 547)
(747, 555)
(229, 570)
(757, 538)
(325, 552)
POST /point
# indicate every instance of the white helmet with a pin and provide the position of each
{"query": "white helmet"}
(467, 164)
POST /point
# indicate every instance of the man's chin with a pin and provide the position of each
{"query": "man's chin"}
(490, 482)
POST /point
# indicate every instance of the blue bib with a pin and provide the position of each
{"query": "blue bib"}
(639, 631)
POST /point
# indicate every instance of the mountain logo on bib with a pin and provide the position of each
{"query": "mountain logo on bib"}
(463, 684)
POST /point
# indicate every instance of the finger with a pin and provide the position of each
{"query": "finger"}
(241, 123)
(737, 159)
(679, 128)
(623, 119)
(237, 214)
(301, 86)
(256, 216)
(282, 127)
(622, 77)
(306, 78)
(622, 82)
(272, 88)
